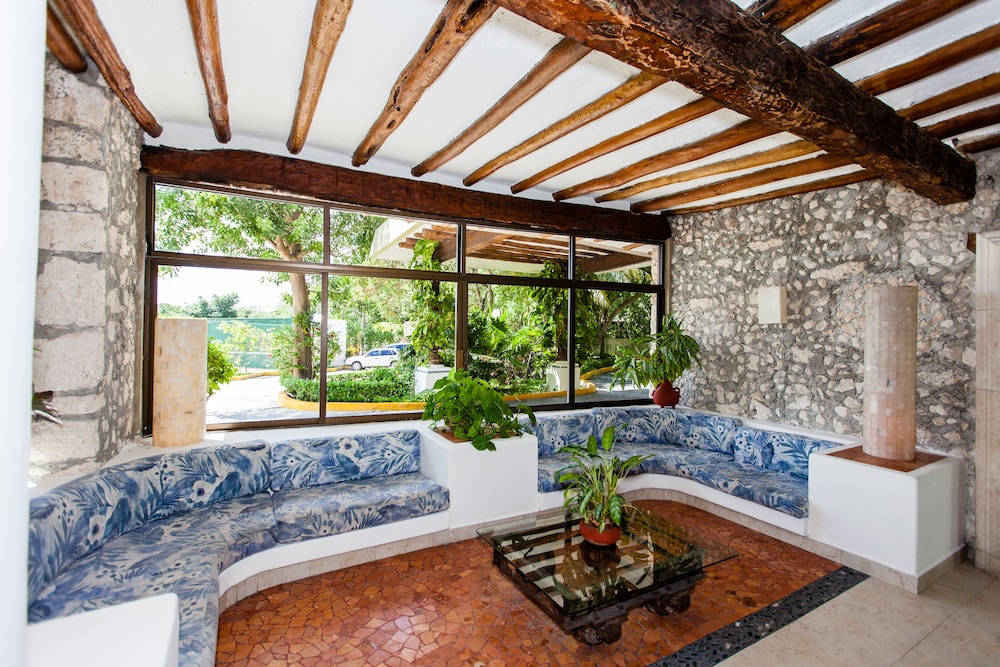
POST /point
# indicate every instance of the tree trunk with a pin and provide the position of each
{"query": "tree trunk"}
(302, 326)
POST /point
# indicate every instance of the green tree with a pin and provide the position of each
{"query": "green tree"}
(220, 306)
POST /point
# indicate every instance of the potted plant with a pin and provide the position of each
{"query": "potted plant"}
(470, 409)
(658, 359)
(592, 492)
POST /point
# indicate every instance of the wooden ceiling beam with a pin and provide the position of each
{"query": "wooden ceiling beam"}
(726, 55)
(967, 122)
(745, 182)
(83, 17)
(778, 154)
(812, 186)
(634, 88)
(560, 58)
(901, 75)
(684, 114)
(933, 62)
(204, 15)
(883, 26)
(742, 133)
(389, 195)
(329, 19)
(979, 145)
(780, 13)
(61, 43)
(458, 21)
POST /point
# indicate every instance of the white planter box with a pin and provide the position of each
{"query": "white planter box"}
(424, 377)
(483, 486)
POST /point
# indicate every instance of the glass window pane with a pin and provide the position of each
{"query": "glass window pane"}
(607, 320)
(390, 242)
(250, 317)
(617, 261)
(212, 223)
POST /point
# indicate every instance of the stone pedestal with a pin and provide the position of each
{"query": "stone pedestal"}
(890, 394)
(180, 378)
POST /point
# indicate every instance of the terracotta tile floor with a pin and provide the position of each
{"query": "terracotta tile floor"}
(449, 606)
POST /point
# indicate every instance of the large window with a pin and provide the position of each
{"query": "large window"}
(327, 315)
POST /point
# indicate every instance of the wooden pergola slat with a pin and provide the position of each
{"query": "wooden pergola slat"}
(83, 17)
(812, 186)
(329, 19)
(61, 44)
(204, 15)
(726, 55)
(458, 21)
(560, 58)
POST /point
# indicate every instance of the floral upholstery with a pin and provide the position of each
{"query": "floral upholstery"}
(202, 477)
(556, 432)
(783, 452)
(329, 509)
(549, 469)
(776, 490)
(630, 424)
(300, 463)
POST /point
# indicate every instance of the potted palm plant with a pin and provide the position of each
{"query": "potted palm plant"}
(658, 359)
(592, 492)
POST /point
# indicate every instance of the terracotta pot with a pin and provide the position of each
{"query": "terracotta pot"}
(666, 396)
(601, 538)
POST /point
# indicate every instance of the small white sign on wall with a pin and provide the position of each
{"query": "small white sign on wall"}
(772, 305)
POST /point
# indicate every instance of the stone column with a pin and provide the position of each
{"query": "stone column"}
(890, 394)
(180, 377)
(988, 401)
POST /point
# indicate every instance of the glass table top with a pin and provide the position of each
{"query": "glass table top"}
(547, 551)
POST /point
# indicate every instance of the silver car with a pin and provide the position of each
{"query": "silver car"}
(382, 356)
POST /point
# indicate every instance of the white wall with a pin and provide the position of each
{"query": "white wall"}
(22, 68)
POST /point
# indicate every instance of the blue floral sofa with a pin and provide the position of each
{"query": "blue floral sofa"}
(171, 523)
(768, 468)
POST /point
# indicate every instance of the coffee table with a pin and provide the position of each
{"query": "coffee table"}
(589, 590)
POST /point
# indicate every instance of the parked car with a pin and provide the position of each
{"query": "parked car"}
(382, 356)
(403, 348)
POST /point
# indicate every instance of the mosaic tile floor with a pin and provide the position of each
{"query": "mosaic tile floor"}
(448, 606)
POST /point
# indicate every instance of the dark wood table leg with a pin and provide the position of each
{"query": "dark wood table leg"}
(608, 632)
(669, 604)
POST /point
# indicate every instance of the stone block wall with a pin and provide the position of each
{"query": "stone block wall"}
(88, 301)
(825, 247)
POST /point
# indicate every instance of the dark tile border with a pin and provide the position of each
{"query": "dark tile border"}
(721, 644)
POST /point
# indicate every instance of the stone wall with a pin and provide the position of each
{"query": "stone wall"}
(88, 297)
(825, 247)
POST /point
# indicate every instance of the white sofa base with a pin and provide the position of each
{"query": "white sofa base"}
(554, 499)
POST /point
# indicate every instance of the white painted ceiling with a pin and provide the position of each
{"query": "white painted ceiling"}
(264, 44)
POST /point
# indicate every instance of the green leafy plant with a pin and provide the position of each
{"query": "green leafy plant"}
(220, 369)
(433, 310)
(653, 358)
(472, 410)
(593, 476)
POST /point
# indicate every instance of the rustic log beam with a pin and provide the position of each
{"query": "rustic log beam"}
(881, 27)
(329, 19)
(780, 13)
(813, 186)
(684, 114)
(475, 240)
(759, 159)
(609, 262)
(391, 195)
(933, 62)
(980, 145)
(617, 97)
(61, 44)
(83, 17)
(967, 122)
(715, 49)
(751, 180)
(204, 15)
(560, 58)
(899, 76)
(458, 21)
(742, 133)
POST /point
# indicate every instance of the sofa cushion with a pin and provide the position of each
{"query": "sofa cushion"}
(678, 461)
(201, 477)
(317, 461)
(562, 430)
(72, 520)
(779, 491)
(329, 509)
(549, 469)
(783, 452)
(630, 424)
(713, 433)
